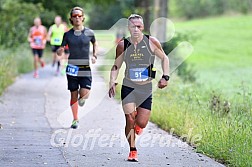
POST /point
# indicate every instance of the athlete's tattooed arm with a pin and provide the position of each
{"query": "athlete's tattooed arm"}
(115, 68)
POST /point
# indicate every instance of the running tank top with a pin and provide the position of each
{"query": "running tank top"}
(38, 37)
(139, 60)
(57, 34)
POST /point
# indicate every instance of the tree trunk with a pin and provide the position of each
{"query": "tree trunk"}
(147, 16)
(144, 10)
(160, 10)
(163, 12)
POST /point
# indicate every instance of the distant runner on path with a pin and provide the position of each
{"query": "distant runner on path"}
(55, 36)
(37, 40)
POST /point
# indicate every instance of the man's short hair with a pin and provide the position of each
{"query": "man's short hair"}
(135, 16)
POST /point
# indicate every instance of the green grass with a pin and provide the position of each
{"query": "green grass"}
(224, 45)
(14, 62)
(222, 59)
(7, 70)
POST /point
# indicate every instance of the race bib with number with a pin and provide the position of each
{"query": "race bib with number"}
(56, 40)
(38, 41)
(72, 70)
(139, 74)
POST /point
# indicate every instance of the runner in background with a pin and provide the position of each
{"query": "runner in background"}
(55, 36)
(37, 40)
(63, 62)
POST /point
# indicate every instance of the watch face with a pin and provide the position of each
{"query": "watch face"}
(166, 77)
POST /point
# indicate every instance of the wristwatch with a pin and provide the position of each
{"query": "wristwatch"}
(166, 77)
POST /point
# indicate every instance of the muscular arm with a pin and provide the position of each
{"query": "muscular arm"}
(95, 49)
(159, 52)
(118, 62)
(115, 69)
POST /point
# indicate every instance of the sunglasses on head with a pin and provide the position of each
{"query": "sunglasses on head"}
(134, 16)
(76, 15)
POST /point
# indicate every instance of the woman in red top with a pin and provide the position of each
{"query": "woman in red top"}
(37, 39)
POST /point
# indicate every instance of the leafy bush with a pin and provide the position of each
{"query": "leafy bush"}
(16, 18)
(184, 70)
(13, 63)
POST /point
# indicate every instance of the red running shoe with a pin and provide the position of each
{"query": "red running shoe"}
(133, 156)
(42, 64)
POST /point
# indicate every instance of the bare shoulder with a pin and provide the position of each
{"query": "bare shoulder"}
(119, 48)
(155, 44)
(154, 41)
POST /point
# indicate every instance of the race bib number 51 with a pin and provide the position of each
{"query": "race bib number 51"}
(72, 70)
(139, 74)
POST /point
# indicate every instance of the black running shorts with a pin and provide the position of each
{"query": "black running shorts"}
(55, 48)
(141, 95)
(74, 83)
(38, 52)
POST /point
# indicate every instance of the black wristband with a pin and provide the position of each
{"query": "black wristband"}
(166, 77)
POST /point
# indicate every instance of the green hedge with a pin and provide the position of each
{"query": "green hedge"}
(12, 63)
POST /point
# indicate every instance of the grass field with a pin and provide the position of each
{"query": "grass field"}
(217, 109)
(222, 54)
(16, 61)
(13, 62)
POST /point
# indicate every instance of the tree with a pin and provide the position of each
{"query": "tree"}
(161, 10)
(143, 7)
(17, 18)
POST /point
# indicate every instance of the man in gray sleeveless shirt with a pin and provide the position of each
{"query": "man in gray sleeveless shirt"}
(138, 52)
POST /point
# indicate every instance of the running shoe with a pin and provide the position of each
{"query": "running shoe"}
(56, 73)
(81, 102)
(42, 64)
(35, 75)
(133, 156)
(75, 124)
(138, 130)
(53, 63)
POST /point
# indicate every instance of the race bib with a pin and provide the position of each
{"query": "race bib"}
(38, 41)
(56, 40)
(139, 74)
(72, 70)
